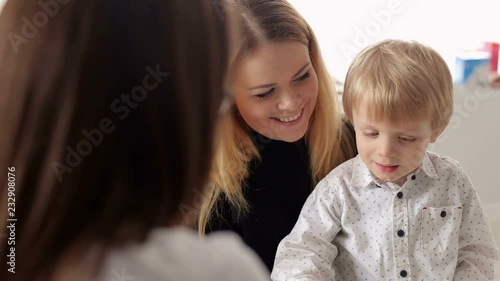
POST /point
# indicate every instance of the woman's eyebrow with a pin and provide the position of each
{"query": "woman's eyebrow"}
(264, 86)
(300, 70)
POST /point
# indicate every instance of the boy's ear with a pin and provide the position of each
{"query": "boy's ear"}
(435, 134)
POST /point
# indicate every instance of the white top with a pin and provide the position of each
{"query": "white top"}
(180, 255)
(355, 227)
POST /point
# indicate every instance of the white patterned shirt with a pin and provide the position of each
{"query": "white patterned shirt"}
(355, 227)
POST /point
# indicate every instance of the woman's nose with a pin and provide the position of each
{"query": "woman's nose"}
(288, 101)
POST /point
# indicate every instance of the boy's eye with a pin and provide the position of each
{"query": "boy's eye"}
(408, 139)
(370, 134)
(303, 77)
(265, 95)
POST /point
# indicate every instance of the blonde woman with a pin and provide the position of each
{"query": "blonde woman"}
(284, 134)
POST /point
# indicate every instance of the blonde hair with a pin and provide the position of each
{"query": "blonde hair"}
(400, 80)
(328, 141)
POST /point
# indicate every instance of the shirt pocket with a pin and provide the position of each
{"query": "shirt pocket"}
(440, 229)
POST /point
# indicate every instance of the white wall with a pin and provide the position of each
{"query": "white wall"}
(473, 138)
(447, 25)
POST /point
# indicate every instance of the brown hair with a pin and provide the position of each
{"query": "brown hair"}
(107, 114)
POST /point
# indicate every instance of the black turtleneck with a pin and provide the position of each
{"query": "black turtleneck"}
(276, 190)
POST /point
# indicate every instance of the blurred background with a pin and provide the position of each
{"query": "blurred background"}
(345, 27)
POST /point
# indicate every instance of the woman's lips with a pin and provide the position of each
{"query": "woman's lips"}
(290, 123)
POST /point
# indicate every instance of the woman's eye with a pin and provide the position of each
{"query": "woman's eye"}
(303, 77)
(265, 95)
(370, 134)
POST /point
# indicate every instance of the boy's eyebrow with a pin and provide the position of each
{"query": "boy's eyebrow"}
(365, 124)
(404, 131)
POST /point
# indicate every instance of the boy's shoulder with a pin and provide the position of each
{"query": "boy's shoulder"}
(443, 163)
(344, 171)
(447, 167)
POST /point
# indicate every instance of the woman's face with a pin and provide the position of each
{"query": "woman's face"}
(276, 89)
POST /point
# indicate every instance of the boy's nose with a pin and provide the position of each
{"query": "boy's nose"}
(387, 148)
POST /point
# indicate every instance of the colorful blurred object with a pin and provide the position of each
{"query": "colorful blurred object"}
(492, 48)
(470, 62)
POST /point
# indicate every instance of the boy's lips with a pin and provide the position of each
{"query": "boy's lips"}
(387, 168)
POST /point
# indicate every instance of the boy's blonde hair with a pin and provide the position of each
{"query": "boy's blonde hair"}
(328, 141)
(400, 80)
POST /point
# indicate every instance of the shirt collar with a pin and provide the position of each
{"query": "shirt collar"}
(362, 176)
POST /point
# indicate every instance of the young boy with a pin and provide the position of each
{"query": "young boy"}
(396, 211)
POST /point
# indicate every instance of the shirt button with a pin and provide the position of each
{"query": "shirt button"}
(413, 177)
(401, 233)
(400, 195)
(403, 273)
(443, 214)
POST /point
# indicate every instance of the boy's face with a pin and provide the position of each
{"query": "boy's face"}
(392, 149)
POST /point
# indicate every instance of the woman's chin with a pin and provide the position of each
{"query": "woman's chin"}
(292, 136)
